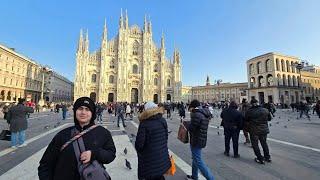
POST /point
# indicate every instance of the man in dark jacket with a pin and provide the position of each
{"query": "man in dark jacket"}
(258, 118)
(198, 130)
(243, 109)
(232, 122)
(120, 112)
(63, 165)
(17, 117)
(152, 143)
(317, 108)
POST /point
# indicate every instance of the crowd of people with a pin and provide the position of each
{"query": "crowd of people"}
(60, 158)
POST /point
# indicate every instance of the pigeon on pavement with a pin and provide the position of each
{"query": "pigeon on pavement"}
(125, 151)
(128, 165)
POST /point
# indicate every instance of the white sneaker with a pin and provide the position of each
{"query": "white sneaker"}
(14, 147)
(22, 145)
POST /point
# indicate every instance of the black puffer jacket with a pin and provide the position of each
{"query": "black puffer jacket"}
(257, 118)
(56, 165)
(152, 144)
(198, 127)
(231, 119)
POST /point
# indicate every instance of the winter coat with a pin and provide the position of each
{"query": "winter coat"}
(198, 127)
(231, 119)
(152, 144)
(128, 109)
(182, 112)
(17, 117)
(257, 118)
(56, 165)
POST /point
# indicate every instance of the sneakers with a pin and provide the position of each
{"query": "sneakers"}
(267, 160)
(22, 145)
(190, 177)
(258, 161)
(14, 147)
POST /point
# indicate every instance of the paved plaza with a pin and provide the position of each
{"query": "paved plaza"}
(294, 146)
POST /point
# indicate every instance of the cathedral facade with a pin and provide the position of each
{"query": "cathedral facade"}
(128, 68)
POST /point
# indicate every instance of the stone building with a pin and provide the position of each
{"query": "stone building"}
(20, 77)
(219, 92)
(274, 77)
(129, 67)
(311, 82)
(58, 88)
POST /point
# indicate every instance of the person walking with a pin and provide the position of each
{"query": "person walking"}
(317, 108)
(57, 164)
(243, 109)
(304, 109)
(182, 112)
(120, 113)
(99, 113)
(64, 110)
(152, 143)
(232, 122)
(258, 118)
(128, 110)
(198, 129)
(17, 117)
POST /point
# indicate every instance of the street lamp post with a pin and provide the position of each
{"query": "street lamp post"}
(300, 66)
(44, 70)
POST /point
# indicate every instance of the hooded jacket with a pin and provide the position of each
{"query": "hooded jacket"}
(152, 144)
(198, 127)
(56, 165)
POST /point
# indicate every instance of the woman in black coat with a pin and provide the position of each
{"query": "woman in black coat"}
(62, 165)
(152, 143)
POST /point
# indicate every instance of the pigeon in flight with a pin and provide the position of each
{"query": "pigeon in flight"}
(125, 151)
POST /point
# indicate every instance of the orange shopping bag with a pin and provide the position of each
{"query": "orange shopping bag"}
(172, 170)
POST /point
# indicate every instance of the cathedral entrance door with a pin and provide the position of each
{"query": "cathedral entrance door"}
(169, 97)
(110, 97)
(134, 95)
(155, 98)
(93, 96)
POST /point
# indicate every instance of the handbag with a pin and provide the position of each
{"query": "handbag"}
(89, 171)
(172, 170)
(183, 135)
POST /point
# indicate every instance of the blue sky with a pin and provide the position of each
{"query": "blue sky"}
(215, 37)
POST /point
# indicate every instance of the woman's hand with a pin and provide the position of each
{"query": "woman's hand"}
(85, 157)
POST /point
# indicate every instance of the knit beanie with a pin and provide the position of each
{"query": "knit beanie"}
(87, 102)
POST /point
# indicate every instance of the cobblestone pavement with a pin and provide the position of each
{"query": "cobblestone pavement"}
(294, 147)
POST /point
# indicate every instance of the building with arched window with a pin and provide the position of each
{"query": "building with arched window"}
(279, 81)
(129, 67)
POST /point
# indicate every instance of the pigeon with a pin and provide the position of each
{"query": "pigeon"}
(270, 124)
(128, 165)
(169, 132)
(218, 133)
(279, 117)
(288, 119)
(125, 151)
(285, 126)
(46, 127)
(277, 122)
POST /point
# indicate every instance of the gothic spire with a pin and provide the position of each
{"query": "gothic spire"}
(127, 20)
(145, 29)
(104, 35)
(121, 20)
(162, 41)
(80, 43)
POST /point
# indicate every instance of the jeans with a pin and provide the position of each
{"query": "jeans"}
(234, 134)
(198, 164)
(18, 138)
(64, 114)
(255, 145)
(120, 116)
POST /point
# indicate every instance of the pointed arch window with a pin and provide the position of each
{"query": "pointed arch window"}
(155, 81)
(111, 79)
(168, 82)
(135, 69)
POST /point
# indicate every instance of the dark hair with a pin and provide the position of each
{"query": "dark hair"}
(233, 104)
(194, 103)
